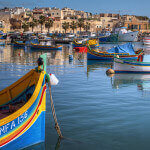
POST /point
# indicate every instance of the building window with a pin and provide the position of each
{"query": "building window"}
(134, 26)
(53, 14)
(139, 26)
(57, 13)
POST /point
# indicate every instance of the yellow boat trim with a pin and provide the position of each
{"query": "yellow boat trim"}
(28, 104)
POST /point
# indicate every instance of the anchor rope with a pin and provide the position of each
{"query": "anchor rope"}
(55, 119)
(54, 113)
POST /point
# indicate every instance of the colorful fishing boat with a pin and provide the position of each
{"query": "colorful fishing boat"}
(79, 43)
(3, 35)
(22, 111)
(82, 43)
(19, 43)
(45, 47)
(128, 66)
(125, 51)
(94, 43)
(81, 49)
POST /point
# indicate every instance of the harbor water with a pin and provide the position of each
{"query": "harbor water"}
(94, 111)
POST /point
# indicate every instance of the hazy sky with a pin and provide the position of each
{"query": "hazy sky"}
(133, 7)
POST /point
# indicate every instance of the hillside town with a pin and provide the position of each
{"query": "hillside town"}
(67, 20)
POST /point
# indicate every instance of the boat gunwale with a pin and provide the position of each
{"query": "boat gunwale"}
(27, 105)
(44, 46)
(131, 61)
(106, 54)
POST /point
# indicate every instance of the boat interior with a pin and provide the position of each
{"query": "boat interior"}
(18, 94)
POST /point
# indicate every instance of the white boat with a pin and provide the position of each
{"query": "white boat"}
(146, 40)
(70, 35)
(125, 35)
(127, 66)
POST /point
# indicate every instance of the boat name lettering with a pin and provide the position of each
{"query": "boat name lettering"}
(11, 125)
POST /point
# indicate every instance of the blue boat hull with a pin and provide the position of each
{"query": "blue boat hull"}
(93, 57)
(35, 134)
(48, 48)
(74, 45)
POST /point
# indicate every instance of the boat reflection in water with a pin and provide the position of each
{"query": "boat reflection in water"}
(123, 80)
(97, 64)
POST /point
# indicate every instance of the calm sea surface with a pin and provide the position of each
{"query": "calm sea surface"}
(94, 111)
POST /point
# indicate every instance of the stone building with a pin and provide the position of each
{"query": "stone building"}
(17, 10)
(108, 20)
(67, 13)
(55, 13)
(136, 23)
(5, 21)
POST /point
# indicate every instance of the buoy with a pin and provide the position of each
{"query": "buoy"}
(117, 56)
(110, 75)
(53, 79)
(110, 71)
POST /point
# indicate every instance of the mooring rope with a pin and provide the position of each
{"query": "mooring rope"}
(54, 113)
(55, 119)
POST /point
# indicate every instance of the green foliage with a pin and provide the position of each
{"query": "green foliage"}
(33, 23)
(65, 26)
(41, 21)
(25, 26)
(73, 25)
(81, 23)
(49, 24)
(87, 26)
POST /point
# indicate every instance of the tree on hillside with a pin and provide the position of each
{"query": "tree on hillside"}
(33, 23)
(65, 26)
(49, 24)
(80, 23)
(42, 21)
(86, 26)
(25, 26)
(73, 25)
